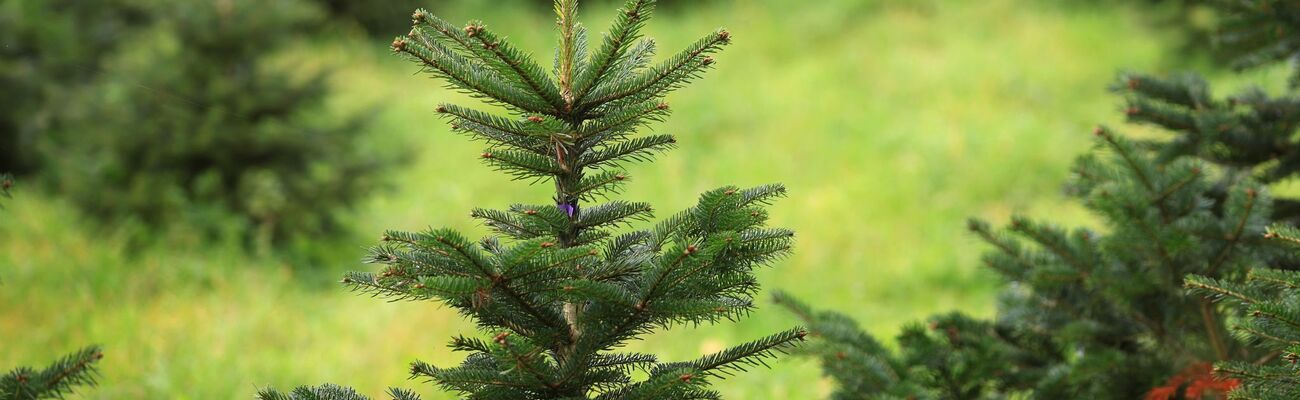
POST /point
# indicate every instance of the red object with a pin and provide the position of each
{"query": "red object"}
(1195, 382)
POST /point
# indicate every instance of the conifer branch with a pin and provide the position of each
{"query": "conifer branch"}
(475, 80)
(55, 381)
(1235, 236)
(629, 21)
(737, 358)
(1212, 328)
(513, 60)
(668, 75)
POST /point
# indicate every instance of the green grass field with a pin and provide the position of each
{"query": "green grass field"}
(889, 121)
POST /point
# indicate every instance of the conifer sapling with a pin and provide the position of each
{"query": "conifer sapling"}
(558, 289)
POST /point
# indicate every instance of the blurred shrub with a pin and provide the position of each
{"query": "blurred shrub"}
(1190, 24)
(392, 17)
(380, 18)
(47, 49)
(193, 121)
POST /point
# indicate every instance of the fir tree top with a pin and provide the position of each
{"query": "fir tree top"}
(558, 289)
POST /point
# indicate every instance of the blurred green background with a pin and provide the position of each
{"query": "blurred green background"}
(890, 121)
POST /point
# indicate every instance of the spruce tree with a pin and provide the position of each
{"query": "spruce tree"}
(558, 290)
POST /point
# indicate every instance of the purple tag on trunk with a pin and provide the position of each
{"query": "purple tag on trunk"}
(568, 208)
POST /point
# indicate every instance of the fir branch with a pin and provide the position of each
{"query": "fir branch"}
(762, 195)
(475, 41)
(626, 120)
(475, 80)
(369, 284)
(1235, 236)
(614, 213)
(638, 149)
(402, 394)
(512, 59)
(1214, 289)
(738, 358)
(601, 184)
(1126, 152)
(509, 225)
(323, 392)
(1177, 186)
(523, 165)
(635, 61)
(495, 130)
(1283, 233)
(672, 73)
(627, 24)
(1287, 280)
(57, 380)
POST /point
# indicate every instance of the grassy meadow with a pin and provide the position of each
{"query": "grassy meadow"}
(890, 121)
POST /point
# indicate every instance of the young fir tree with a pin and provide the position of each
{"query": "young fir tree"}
(1270, 299)
(558, 291)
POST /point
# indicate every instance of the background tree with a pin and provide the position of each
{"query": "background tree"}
(375, 18)
(558, 290)
(51, 49)
(193, 121)
(1090, 314)
(1260, 32)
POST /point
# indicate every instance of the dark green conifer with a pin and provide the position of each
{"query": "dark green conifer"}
(1254, 33)
(193, 121)
(51, 50)
(558, 289)
(1103, 314)
(1092, 314)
